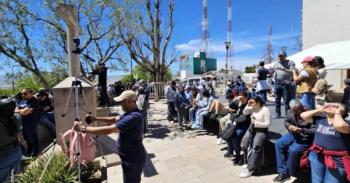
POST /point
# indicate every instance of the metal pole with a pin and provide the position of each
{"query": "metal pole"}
(227, 44)
(226, 62)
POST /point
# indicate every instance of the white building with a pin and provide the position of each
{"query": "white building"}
(325, 33)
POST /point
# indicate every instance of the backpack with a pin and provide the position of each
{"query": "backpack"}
(87, 145)
(228, 131)
(320, 87)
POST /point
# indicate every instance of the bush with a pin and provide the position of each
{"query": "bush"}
(6, 92)
(58, 170)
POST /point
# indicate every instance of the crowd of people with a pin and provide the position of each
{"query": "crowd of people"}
(317, 130)
(20, 117)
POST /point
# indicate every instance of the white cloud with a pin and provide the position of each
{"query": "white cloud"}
(215, 46)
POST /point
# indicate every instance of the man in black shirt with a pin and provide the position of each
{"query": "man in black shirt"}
(102, 81)
(30, 118)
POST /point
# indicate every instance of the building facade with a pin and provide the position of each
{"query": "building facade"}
(326, 21)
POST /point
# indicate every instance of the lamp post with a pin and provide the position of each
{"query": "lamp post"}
(227, 44)
(13, 78)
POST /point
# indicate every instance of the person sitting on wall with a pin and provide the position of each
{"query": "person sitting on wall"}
(290, 146)
(256, 135)
(203, 108)
(241, 122)
(329, 155)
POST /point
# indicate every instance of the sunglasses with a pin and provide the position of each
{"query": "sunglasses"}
(24, 93)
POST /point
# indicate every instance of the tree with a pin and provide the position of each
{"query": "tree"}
(36, 38)
(250, 69)
(141, 73)
(144, 37)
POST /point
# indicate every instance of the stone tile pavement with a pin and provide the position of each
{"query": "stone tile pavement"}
(176, 156)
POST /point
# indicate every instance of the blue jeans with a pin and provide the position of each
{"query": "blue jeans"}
(44, 121)
(286, 145)
(292, 91)
(282, 91)
(263, 94)
(320, 173)
(200, 113)
(9, 163)
(234, 144)
(308, 100)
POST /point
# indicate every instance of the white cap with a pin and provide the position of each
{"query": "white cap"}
(128, 94)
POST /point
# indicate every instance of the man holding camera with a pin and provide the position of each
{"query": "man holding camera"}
(101, 71)
(130, 128)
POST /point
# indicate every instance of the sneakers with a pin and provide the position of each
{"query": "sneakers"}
(220, 141)
(228, 155)
(245, 172)
(281, 178)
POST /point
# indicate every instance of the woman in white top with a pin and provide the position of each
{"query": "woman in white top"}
(256, 134)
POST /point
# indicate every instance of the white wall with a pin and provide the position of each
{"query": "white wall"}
(325, 21)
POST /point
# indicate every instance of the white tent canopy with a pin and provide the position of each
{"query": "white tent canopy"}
(336, 55)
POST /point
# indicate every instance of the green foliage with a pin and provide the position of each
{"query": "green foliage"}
(5, 92)
(168, 75)
(141, 73)
(127, 78)
(58, 170)
(250, 69)
(27, 80)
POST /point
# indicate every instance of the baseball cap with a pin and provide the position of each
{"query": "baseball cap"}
(128, 94)
(308, 59)
(282, 53)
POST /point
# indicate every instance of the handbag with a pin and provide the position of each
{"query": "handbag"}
(228, 131)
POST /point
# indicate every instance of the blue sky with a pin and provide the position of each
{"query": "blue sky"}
(251, 19)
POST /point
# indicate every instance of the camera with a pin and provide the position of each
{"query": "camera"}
(77, 44)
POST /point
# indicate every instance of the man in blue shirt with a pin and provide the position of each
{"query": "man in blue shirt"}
(130, 128)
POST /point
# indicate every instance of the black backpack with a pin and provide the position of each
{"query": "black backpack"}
(228, 131)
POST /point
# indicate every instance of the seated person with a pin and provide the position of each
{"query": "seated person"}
(192, 110)
(196, 98)
(45, 112)
(255, 135)
(203, 108)
(218, 109)
(329, 154)
(241, 122)
(290, 146)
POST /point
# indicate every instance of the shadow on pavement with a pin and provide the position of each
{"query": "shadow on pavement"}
(157, 131)
(149, 170)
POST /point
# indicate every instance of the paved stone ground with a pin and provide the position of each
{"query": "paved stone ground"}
(186, 157)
